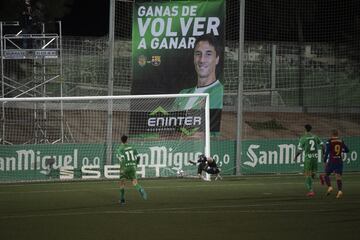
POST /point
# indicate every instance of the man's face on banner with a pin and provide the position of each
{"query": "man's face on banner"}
(205, 61)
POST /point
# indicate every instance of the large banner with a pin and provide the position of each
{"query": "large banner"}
(87, 161)
(178, 47)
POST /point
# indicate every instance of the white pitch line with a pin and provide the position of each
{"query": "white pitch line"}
(152, 187)
(182, 210)
(157, 211)
(192, 185)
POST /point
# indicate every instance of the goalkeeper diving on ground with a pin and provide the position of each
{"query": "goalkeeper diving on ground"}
(208, 165)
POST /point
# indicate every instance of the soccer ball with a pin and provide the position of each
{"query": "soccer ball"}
(180, 173)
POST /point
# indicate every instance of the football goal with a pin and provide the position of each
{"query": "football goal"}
(79, 135)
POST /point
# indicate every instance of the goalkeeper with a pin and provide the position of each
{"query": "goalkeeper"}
(129, 159)
(208, 165)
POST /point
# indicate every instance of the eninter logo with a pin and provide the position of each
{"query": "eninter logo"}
(167, 122)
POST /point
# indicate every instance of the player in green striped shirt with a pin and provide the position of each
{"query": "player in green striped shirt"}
(129, 159)
(309, 144)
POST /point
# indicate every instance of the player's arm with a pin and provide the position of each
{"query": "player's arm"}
(192, 162)
(345, 149)
(298, 152)
(202, 159)
(321, 144)
(121, 161)
(323, 149)
(327, 151)
(137, 157)
(119, 155)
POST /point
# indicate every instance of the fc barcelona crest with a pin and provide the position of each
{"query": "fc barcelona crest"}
(155, 60)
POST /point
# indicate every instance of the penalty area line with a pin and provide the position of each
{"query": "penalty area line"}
(238, 208)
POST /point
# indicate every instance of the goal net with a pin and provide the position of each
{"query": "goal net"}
(77, 137)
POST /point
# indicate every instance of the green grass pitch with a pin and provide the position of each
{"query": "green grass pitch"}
(256, 207)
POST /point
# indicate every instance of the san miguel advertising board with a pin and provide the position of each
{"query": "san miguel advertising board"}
(87, 161)
(178, 47)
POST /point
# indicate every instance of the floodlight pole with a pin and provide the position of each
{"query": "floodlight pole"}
(110, 81)
(2, 137)
(240, 109)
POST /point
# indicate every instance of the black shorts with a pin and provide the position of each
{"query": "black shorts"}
(212, 170)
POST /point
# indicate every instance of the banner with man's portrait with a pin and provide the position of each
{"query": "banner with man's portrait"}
(178, 47)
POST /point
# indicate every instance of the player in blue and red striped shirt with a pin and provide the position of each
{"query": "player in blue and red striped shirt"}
(334, 161)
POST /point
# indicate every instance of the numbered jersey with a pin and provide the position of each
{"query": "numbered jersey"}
(127, 156)
(334, 149)
(310, 145)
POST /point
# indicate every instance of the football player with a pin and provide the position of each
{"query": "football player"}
(309, 144)
(128, 157)
(208, 165)
(334, 149)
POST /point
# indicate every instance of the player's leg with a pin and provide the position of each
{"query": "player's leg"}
(322, 176)
(338, 175)
(122, 190)
(214, 171)
(218, 177)
(308, 184)
(200, 169)
(339, 185)
(210, 171)
(327, 179)
(328, 183)
(314, 169)
(308, 179)
(217, 173)
(139, 188)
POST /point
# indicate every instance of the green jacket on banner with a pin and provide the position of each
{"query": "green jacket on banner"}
(215, 90)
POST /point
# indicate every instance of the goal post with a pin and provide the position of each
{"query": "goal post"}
(72, 133)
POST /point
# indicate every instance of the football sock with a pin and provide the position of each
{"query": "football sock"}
(339, 184)
(308, 183)
(327, 180)
(322, 179)
(122, 194)
(141, 191)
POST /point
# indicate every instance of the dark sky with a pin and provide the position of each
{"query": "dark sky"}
(87, 18)
(264, 20)
(322, 20)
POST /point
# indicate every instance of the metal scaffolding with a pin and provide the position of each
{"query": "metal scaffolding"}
(31, 66)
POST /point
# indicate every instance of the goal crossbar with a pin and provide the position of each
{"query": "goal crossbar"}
(62, 100)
